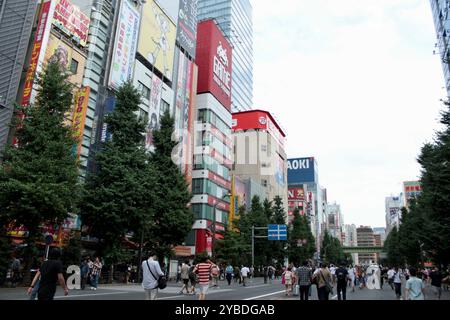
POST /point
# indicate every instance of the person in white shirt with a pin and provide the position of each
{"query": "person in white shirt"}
(244, 273)
(351, 276)
(333, 273)
(398, 275)
(390, 275)
(151, 271)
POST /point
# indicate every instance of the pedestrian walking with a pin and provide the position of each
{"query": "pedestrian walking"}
(270, 273)
(229, 273)
(304, 275)
(84, 271)
(398, 275)
(215, 273)
(333, 274)
(49, 274)
(178, 272)
(288, 275)
(352, 277)
(436, 282)
(95, 273)
(192, 278)
(342, 279)
(414, 288)
(390, 275)
(324, 282)
(15, 270)
(184, 276)
(151, 271)
(244, 273)
(203, 269)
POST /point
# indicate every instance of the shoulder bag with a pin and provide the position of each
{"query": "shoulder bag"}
(162, 280)
(328, 286)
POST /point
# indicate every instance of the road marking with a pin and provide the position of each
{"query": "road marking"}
(334, 297)
(265, 295)
(251, 287)
(89, 295)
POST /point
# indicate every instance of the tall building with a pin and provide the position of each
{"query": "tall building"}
(259, 152)
(335, 220)
(382, 233)
(234, 17)
(304, 171)
(440, 10)
(411, 190)
(365, 238)
(211, 177)
(16, 21)
(393, 205)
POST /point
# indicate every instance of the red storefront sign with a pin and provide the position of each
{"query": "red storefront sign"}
(219, 180)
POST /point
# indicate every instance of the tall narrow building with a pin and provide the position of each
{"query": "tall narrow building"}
(234, 17)
(440, 10)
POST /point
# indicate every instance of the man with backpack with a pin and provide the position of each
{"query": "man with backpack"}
(341, 278)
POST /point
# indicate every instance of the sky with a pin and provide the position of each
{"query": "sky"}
(354, 84)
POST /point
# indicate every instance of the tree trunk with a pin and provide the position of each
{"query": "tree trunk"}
(111, 274)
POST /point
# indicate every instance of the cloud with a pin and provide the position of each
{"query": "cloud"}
(355, 84)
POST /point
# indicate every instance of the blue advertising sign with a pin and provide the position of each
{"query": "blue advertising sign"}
(302, 170)
(277, 232)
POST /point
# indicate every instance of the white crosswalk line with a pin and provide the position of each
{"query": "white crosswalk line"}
(266, 295)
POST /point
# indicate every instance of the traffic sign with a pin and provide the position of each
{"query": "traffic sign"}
(277, 232)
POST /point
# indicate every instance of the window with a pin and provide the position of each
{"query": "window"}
(164, 107)
(74, 66)
(145, 91)
(264, 183)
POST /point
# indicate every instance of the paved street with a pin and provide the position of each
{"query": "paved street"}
(256, 290)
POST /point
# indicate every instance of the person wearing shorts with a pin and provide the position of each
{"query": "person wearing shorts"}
(203, 269)
(184, 276)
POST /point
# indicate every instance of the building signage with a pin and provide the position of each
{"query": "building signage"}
(187, 26)
(38, 47)
(301, 170)
(125, 45)
(296, 194)
(219, 180)
(214, 59)
(81, 99)
(157, 38)
(72, 21)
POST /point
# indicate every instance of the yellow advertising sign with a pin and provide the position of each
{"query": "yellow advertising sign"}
(81, 98)
(58, 50)
(157, 38)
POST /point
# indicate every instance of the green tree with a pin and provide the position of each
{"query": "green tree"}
(392, 248)
(232, 249)
(331, 249)
(39, 178)
(434, 201)
(118, 195)
(301, 242)
(173, 217)
(276, 252)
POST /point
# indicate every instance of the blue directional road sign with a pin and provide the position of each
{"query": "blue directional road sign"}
(277, 232)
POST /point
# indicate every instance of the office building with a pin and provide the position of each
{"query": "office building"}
(234, 17)
(259, 152)
(16, 22)
(393, 205)
(440, 11)
(411, 191)
(365, 238)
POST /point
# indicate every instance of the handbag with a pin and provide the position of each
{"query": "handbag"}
(162, 280)
(328, 286)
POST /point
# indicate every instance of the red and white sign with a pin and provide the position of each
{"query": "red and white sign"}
(219, 180)
(72, 21)
(258, 119)
(212, 201)
(214, 59)
(296, 194)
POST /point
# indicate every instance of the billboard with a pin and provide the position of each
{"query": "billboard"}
(296, 194)
(154, 110)
(187, 26)
(412, 189)
(72, 21)
(214, 59)
(39, 45)
(157, 38)
(81, 99)
(302, 170)
(58, 50)
(125, 45)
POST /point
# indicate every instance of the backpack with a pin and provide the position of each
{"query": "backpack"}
(229, 269)
(341, 276)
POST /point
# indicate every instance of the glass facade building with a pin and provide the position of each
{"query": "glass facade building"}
(440, 10)
(234, 17)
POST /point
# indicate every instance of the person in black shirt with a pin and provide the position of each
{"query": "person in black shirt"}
(342, 278)
(436, 282)
(51, 272)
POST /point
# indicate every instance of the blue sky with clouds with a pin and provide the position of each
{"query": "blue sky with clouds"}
(356, 85)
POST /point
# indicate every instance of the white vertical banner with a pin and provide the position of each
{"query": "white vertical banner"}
(154, 110)
(125, 45)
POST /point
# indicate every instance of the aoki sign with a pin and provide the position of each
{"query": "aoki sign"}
(221, 74)
(302, 170)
